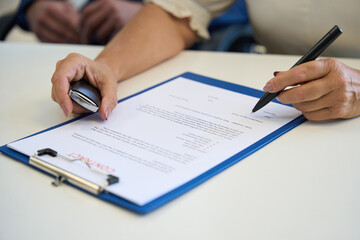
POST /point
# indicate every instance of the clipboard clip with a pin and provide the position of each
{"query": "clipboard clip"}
(62, 175)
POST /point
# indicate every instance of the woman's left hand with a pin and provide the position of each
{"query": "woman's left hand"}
(323, 89)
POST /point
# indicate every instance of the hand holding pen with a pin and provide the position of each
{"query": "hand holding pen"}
(324, 89)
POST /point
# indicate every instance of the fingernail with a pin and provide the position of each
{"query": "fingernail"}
(107, 113)
(275, 73)
(65, 110)
(268, 87)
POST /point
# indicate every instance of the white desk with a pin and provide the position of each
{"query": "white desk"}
(304, 185)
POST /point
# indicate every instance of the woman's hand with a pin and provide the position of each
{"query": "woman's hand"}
(75, 67)
(54, 21)
(106, 17)
(324, 89)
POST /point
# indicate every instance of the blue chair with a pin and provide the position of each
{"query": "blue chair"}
(230, 32)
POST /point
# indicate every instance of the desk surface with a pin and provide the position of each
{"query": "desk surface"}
(304, 185)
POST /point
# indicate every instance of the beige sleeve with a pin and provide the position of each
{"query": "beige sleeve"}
(200, 12)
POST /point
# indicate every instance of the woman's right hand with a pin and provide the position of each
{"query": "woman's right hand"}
(54, 21)
(323, 89)
(75, 67)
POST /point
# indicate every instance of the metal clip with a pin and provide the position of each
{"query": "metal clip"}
(62, 175)
(58, 180)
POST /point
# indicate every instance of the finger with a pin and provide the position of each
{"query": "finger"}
(70, 69)
(108, 91)
(104, 30)
(43, 31)
(315, 105)
(46, 34)
(90, 9)
(69, 16)
(73, 16)
(61, 23)
(340, 103)
(319, 115)
(59, 30)
(76, 108)
(53, 94)
(60, 90)
(91, 23)
(298, 75)
(307, 92)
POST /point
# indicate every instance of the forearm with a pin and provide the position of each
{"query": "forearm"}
(151, 37)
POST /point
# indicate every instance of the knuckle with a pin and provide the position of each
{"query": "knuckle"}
(299, 107)
(53, 97)
(58, 63)
(278, 83)
(72, 56)
(55, 78)
(76, 60)
(338, 112)
(345, 98)
(299, 94)
(312, 116)
(332, 63)
(113, 102)
(300, 73)
(308, 116)
(282, 97)
(316, 116)
(340, 82)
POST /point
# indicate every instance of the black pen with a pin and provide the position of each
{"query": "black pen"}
(314, 52)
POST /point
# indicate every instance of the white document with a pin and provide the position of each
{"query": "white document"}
(162, 138)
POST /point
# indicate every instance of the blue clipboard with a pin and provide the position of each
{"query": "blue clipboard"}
(160, 201)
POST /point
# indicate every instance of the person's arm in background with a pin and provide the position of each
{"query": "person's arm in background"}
(152, 36)
(103, 18)
(51, 21)
(325, 89)
(20, 15)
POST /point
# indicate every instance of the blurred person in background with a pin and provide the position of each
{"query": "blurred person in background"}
(97, 21)
(78, 21)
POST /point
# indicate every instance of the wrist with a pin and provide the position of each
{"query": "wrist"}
(112, 66)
